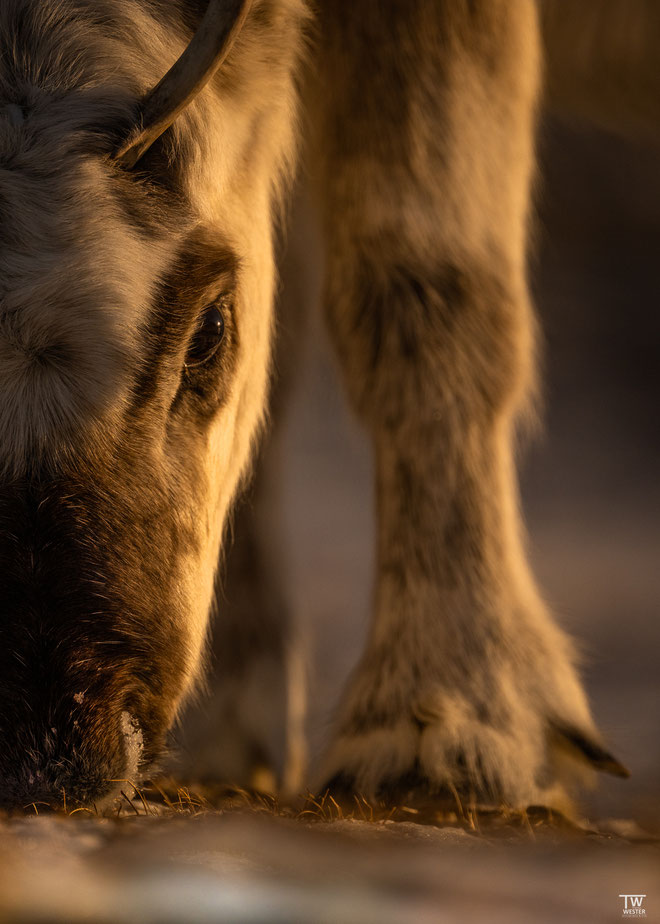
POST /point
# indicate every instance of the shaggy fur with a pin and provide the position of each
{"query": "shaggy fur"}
(463, 671)
(120, 462)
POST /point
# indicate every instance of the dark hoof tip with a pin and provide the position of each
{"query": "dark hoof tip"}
(589, 750)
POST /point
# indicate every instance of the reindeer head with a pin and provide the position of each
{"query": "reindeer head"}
(135, 297)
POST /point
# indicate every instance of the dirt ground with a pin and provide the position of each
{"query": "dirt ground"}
(250, 866)
(591, 492)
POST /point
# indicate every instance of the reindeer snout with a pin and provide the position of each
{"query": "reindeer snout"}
(70, 767)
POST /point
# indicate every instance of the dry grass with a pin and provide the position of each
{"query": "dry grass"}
(167, 798)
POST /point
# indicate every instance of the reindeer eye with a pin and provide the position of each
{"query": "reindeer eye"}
(208, 337)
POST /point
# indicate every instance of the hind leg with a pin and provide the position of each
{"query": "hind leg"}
(426, 142)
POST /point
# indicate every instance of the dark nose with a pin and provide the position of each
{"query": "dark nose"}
(63, 787)
(72, 768)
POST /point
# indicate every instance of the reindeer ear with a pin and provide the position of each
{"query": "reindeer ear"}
(586, 748)
(209, 47)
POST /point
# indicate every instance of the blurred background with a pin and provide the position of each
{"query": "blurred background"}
(590, 485)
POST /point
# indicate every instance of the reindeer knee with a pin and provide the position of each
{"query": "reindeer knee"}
(445, 342)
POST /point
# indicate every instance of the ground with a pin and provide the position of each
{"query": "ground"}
(254, 862)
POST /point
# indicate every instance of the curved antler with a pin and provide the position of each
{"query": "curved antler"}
(209, 47)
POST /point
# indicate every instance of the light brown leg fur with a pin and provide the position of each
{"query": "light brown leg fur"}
(425, 152)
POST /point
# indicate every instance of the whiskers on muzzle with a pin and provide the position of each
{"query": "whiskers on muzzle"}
(85, 773)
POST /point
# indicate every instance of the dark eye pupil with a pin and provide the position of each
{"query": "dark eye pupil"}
(207, 337)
